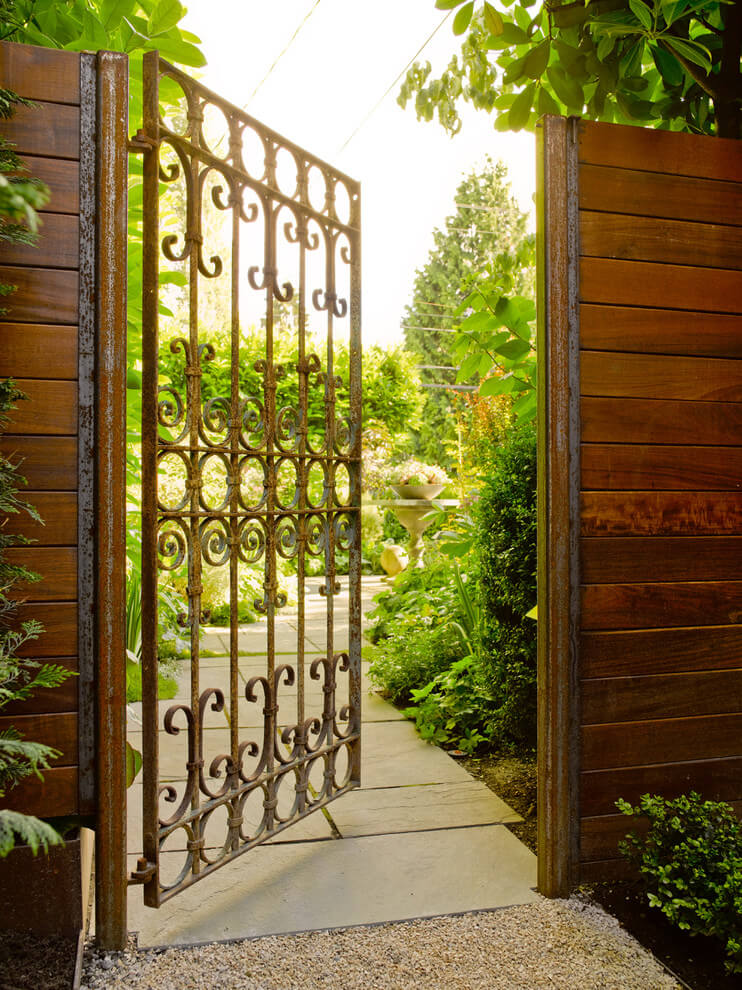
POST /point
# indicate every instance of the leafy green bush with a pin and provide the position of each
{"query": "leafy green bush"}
(506, 551)
(220, 615)
(452, 707)
(691, 861)
(425, 595)
(411, 657)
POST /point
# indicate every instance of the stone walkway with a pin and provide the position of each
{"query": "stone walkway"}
(420, 838)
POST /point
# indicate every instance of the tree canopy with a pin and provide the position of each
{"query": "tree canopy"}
(667, 63)
(486, 223)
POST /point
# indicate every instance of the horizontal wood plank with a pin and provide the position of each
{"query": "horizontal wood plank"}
(57, 246)
(50, 130)
(62, 176)
(58, 730)
(657, 651)
(674, 242)
(660, 514)
(646, 149)
(606, 871)
(649, 376)
(652, 194)
(644, 467)
(50, 409)
(599, 837)
(63, 698)
(651, 606)
(669, 740)
(606, 560)
(58, 511)
(41, 73)
(716, 780)
(641, 283)
(57, 567)
(655, 696)
(660, 331)
(38, 351)
(59, 638)
(55, 795)
(661, 421)
(42, 295)
(47, 463)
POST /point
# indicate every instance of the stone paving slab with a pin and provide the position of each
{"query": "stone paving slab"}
(394, 755)
(297, 886)
(385, 810)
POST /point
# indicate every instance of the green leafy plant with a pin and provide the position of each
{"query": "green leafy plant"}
(484, 221)
(495, 340)
(506, 575)
(670, 64)
(453, 707)
(20, 757)
(691, 862)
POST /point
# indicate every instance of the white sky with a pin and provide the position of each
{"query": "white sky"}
(342, 61)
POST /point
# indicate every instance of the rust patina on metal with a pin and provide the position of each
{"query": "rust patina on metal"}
(299, 760)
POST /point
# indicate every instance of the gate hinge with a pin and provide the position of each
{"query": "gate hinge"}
(141, 142)
(144, 871)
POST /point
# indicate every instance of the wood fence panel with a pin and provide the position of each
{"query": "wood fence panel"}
(654, 515)
(41, 352)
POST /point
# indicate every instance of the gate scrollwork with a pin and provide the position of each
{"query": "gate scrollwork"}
(238, 480)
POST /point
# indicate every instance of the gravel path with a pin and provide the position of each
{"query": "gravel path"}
(555, 944)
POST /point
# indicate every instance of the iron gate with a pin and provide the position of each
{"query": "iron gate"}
(235, 484)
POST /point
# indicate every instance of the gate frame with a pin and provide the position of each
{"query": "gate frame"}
(558, 503)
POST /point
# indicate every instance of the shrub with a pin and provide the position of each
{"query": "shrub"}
(691, 861)
(411, 657)
(506, 551)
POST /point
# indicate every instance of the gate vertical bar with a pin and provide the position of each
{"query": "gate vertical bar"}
(110, 868)
(150, 335)
(558, 505)
(354, 473)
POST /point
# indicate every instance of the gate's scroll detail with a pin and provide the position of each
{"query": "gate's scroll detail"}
(232, 482)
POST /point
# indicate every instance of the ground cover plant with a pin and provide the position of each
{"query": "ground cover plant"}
(690, 860)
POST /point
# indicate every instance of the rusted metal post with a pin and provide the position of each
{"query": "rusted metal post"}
(558, 506)
(110, 870)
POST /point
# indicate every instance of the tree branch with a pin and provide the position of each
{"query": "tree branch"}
(694, 71)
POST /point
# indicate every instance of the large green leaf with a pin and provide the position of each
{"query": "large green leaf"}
(537, 60)
(566, 88)
(462, 20)
(133, 763)
(492, 19)
(521, 109)
(165, 15)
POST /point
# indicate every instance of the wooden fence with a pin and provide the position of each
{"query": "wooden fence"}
(64, 341)
(640, 597)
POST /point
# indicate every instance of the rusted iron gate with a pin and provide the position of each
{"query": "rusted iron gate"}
(235, 789)
(640, 510)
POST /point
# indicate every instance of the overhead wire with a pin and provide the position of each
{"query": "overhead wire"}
(291, 40)
(391, 86)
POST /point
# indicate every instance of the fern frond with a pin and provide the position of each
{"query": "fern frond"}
(31, 830)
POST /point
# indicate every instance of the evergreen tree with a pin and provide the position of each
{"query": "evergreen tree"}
(487, 222)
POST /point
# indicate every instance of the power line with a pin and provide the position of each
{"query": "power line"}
(376, 106)
(452, 388)
(292, 39)
(432, 329)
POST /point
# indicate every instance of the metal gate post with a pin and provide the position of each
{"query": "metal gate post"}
(110, 846)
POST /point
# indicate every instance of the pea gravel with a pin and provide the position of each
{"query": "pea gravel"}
(555, 944)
